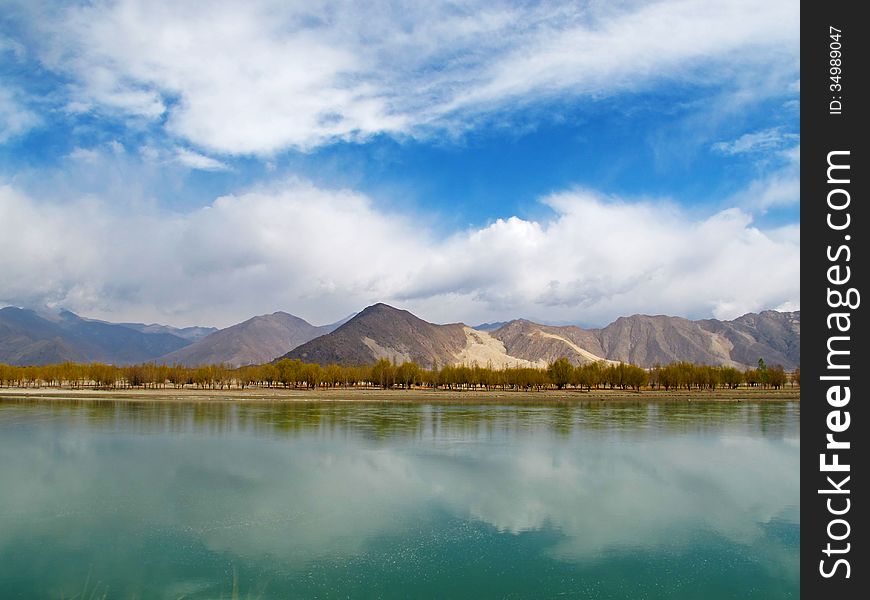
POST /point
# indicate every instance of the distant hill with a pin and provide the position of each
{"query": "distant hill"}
(382, 331)
(192, 334)
(490, 326)
(255, 341)
(28, 338)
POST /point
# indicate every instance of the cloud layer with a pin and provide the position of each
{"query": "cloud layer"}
(261, 76)
(323, 253)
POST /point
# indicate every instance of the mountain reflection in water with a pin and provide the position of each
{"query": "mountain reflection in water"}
(600, 500)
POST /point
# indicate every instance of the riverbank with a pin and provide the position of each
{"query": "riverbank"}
(402, 396)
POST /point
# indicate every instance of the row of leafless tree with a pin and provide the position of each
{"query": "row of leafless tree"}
(287, 373)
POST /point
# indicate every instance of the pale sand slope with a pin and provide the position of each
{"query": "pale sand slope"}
(722, 347)
(483, 349)
(381, 352)
(582, 352)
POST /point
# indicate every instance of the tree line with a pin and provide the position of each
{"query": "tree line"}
(295, 374)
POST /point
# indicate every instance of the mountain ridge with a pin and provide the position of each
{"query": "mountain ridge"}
(382, 331)
(645, 340)
(26, 337)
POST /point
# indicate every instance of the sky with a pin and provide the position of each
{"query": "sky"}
(196, 163)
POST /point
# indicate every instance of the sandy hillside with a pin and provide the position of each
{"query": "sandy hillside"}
(483, 349)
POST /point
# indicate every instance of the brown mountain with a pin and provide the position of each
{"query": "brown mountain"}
(255, 341)
(30, 338)
(771, 335)
(381, 331)
(545, 343)
(647, 340)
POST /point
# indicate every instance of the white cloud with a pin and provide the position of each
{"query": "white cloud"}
(260, 76)
(195, 160)
(777, 187)
(780, 188)
(90, 156)
(323, 254)
(758, 141)
(113, 155)
(117, 147)
(617, 47)
(15, 118)
(97, 156)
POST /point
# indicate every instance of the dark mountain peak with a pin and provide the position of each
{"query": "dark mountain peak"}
(381, 309)
(378, 306)
(380, 314)
(383, 331)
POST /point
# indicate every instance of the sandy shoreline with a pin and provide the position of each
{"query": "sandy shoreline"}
(400, 396)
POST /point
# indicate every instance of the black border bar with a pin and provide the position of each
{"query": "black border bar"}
(834, 225)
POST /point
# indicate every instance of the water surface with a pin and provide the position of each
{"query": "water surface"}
(348, 500)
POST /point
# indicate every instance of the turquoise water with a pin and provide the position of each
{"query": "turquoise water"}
(326, 500)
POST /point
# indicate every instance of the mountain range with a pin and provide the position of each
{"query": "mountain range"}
(381, 331)
(30, 338)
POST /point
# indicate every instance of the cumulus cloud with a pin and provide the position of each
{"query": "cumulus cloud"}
(323, 254)
(261, 76)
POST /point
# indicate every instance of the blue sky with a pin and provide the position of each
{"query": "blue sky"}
(467, 161)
